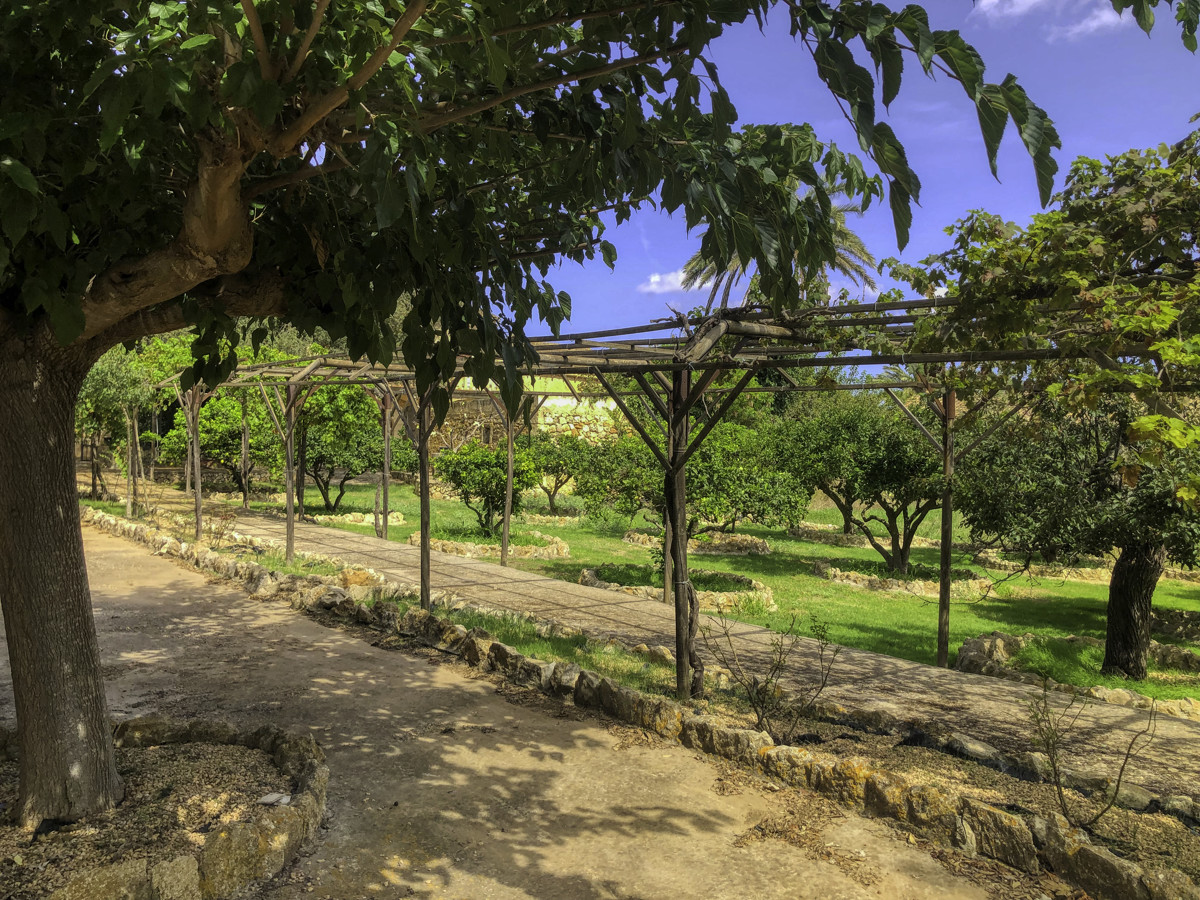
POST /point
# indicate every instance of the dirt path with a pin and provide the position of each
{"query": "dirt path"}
(444, 786)
(987, 708)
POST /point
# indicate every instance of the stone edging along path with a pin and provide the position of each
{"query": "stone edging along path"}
(1024, 842)
(554, 548)
(350, 595)
(234, 855)
(756, 592)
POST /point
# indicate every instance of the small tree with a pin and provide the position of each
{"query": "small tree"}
(221, 436)
(867, 458)
(480, 475)
(621, 474)
(735, 475)
(342, 437)
(558, 458)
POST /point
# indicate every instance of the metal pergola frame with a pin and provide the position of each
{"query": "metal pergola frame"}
(674, 365)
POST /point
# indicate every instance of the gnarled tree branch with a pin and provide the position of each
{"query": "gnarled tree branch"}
(215, 239)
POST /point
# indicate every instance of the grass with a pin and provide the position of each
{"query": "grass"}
(112, 507)
(1074, 663)
(895, 623)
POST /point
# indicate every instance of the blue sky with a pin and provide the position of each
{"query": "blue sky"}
(1107, 86)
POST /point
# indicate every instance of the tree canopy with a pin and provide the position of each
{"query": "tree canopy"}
(1063, 482)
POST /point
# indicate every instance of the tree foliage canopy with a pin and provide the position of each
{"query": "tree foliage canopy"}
(1116, 266)
(319, 161)
(870, 461)
(480, 475)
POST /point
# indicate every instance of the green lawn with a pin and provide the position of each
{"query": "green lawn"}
(895, 623)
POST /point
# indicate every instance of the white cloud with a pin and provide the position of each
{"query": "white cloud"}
(663, 283)
(1099, 18)
(1064, 19)
(1009, 9)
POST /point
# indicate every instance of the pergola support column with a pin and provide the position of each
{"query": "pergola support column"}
(289, 443)
(946, 549)
(386, 414)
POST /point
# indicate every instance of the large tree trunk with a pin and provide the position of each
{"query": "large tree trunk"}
(1130, 591)
(65, 740)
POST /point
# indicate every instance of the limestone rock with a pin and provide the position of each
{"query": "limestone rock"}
(1170, 884)
(884, 796)
(1068, 852)
(587, 689)
(1001, 835)
(231, 858)
(123, 881)
(176, 879)
(662, 656)
(562, 681)
(618, 701)
(969, 748)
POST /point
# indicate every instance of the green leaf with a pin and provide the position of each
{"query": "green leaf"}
(19, 173)
(901, 204)
(198, 41)
(993, 119)
(891, 60)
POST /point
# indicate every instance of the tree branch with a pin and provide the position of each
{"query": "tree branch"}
(300, 175)
(260, 40)
(302, 53)
(235, 295)
(566, 19)
(215, 239)
(283, 143)
(433, 122)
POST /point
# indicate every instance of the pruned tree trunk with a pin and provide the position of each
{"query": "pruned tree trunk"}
(66, 756)
(1130, 592)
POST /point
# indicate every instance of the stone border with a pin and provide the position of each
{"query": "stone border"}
(560, 521)
(713, 543)
(357, 518)
(1101, 573)
(970, 586)
(988, 653)
(554, 548)
(233, 856)
(965, 823)
(719, 601)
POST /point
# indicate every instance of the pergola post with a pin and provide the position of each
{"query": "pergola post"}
(508, 489)
(423, 423)
(386, 415)
(289, 443)
(947, 538)
(689, 670)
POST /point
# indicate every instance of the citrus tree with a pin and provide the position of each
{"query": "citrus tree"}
(480, 475)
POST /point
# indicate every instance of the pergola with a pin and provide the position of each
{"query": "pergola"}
(657, 374)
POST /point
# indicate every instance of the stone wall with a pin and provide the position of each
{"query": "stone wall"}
(554, 548)
(757, 596)
(964, 585)
(714, 543)
(591, 420)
